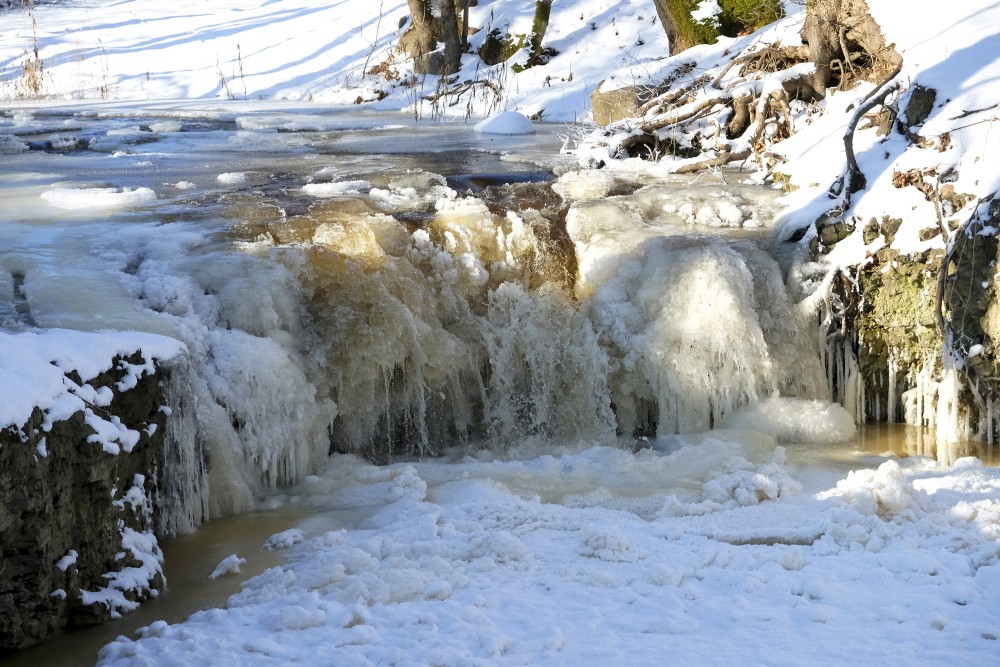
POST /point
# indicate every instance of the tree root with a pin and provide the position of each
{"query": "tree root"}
(462, 88)
(747, 101)
(853, 179)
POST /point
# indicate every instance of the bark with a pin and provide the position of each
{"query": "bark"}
(667, 22)
(422, 36)
(845, 42)
(451, 38)
(465, 23)
(538, 28)
(427, 31)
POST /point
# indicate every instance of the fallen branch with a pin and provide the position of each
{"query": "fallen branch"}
(974, 111)
(719, 160)
(463, 88)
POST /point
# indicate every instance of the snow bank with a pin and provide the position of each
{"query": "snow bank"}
(34, 368)
(342, 53)
(480, 570)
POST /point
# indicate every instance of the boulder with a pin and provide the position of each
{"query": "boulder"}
(615, 104)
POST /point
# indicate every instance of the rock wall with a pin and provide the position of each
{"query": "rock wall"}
(73, 517)
(921, 331)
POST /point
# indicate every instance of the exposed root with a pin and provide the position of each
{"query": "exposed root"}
(739, 108)
(853, 178)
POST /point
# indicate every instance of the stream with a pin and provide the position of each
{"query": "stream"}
(374, 286)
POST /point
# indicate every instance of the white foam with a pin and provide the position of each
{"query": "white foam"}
(795, 420)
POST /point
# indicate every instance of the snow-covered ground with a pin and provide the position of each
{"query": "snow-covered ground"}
(299, 50)
(604, 557)
(712, 549)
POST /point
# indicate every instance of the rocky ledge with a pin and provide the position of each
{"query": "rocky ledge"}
(78, 524)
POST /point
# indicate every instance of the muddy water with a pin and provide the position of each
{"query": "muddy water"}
(189, 560)
(903, 441)
(820, 466)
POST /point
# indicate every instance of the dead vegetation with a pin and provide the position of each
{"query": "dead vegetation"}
(737, 109)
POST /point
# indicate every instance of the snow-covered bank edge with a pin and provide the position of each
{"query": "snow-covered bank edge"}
(341, 54)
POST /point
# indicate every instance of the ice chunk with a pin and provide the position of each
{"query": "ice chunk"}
(795, 420)
(228, 565)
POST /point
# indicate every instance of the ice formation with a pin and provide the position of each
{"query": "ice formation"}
(386, 313)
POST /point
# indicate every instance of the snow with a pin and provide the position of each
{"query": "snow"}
(228, 565)
(284, 539)
(67, 560)
(341, 52)
(716, 547)
(508, 563)
(795, 420)
(34, 367)
(145, 564)
(72, 199)
(508, 122)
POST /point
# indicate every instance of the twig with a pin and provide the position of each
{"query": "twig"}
(973, 111)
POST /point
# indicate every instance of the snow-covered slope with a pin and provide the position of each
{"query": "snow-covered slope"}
(298, 50)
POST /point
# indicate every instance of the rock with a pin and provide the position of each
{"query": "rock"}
(64, 503)
(615, 104)
(927, 233)
(498, 47)
(834, 233)
(889, 227)
(871, 231)
(920, 105)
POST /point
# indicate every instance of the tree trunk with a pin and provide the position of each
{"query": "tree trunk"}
(668, 23)
(465, 23)
(451, 38)
(845, 43)
(421, 38)
(538, 28)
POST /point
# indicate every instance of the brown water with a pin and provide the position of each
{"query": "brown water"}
(189, 559)
(821, 466)
(904, 441)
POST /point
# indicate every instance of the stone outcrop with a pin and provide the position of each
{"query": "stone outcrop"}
(617, 104)
(72, 515)
(911, 319)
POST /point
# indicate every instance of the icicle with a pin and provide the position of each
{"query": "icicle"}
(989, 421)
(891, 410)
